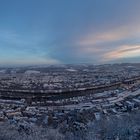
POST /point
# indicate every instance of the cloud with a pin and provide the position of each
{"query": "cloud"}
(110, 44)
(29, 60)
(112, 35)
(18, 49)
(126, 51)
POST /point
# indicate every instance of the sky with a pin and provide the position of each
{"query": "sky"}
(69, 31)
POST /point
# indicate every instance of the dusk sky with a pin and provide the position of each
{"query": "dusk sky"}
(69, 31)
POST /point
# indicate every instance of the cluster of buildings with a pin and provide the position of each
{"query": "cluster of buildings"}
(69, 77)
(69, 113)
